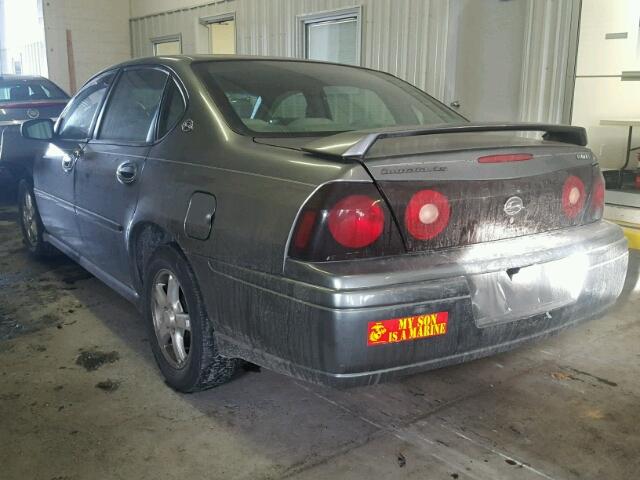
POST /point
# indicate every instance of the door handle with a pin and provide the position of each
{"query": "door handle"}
(127, 172)
(455, 104)
(69, 160)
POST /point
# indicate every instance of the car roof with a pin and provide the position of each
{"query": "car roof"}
(172, 60)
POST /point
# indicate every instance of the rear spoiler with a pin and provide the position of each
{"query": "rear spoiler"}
(355, 145)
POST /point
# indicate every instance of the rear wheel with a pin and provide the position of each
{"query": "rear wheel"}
(180, 332)
(30, 221)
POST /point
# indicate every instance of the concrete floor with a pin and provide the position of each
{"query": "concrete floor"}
(566, 408)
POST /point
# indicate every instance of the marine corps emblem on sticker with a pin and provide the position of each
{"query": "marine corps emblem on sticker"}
(376, 332)
(407, 328)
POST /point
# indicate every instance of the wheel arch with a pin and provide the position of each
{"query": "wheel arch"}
(146, 237)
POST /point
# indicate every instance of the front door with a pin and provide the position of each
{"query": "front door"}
(108, 172)
(55, 171)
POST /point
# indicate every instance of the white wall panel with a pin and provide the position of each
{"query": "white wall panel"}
(600, 93)
(99, 34)
(409, 38)
(549, 60)
(405, 37)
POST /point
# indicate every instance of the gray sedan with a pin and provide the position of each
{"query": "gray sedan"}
(329, 222)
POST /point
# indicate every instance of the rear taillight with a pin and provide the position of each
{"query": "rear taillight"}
(356, 221)
(573, 196)
(344, 220)
(427, 214)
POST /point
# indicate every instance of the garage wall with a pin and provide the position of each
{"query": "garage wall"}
(599, 92)
(418, 40)
(99, 37)
(407, 38)
(486, 39)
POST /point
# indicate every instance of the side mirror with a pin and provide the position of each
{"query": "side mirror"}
(37, 129)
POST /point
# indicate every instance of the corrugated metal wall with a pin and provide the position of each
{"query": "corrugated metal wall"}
(407, 38)
(549, 61)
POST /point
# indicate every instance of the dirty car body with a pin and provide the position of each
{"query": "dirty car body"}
(24, 97)
(343, 226)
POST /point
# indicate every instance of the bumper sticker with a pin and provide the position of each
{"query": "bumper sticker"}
(407, 328)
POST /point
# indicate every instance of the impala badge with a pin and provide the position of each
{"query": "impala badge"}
(513, 206)
(33, 113)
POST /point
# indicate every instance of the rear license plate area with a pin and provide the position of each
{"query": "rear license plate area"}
(520, 292)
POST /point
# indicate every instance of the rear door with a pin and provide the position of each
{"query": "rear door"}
(109, 170)
(55, 170)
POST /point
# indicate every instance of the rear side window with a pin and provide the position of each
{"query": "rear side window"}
(29, 90)
(172, 109)
(79, 116)
(133, 106)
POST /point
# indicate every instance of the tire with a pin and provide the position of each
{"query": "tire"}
(183, 346)
(31, 223)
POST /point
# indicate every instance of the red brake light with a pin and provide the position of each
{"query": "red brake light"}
(356, 221)
(344, 221)
(509, 157)
(427, 214)
(572, 196)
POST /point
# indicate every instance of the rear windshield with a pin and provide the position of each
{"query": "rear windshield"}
(288, 98)
(29, 90)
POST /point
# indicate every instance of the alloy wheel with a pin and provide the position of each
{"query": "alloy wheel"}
(29, 221)
(171, 319)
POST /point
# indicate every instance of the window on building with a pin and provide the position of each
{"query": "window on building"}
(222, 37)
(167, 45)
(333, 37)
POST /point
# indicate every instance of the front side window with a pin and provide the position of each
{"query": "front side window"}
(77, 119)
(293, 98)
(133, 106)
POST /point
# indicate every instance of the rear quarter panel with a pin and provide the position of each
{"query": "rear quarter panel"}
(259, 190)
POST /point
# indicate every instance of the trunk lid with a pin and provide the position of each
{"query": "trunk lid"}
(481, 201)
(472, 187)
